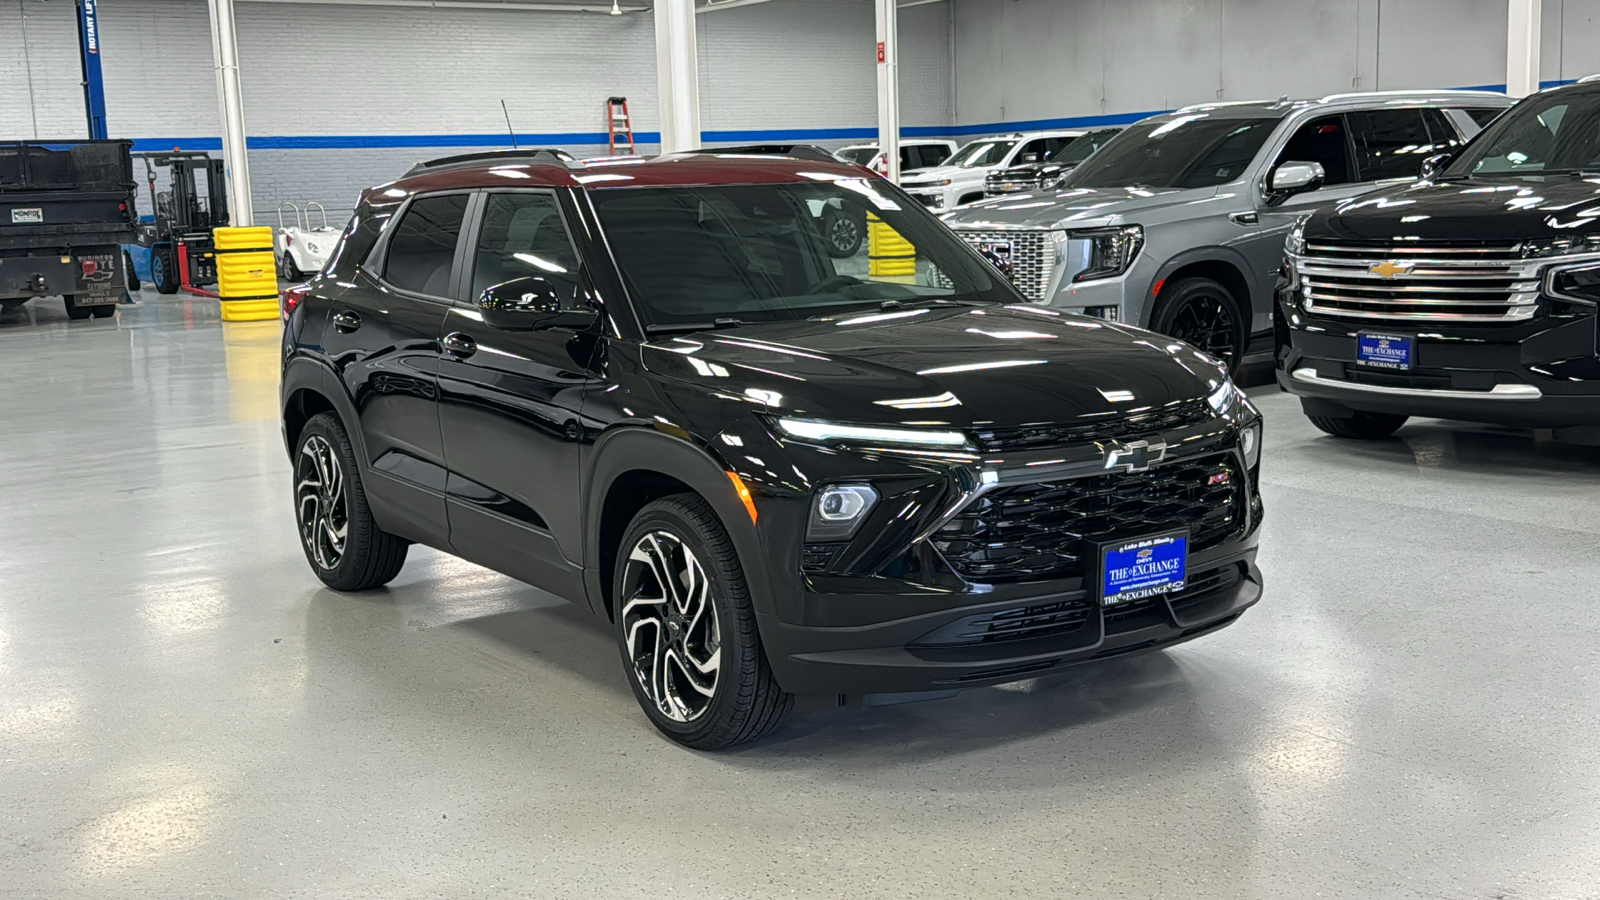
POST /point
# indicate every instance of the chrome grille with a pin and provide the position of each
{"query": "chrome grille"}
(1033, 260)
(995, 185)
(1419, 281)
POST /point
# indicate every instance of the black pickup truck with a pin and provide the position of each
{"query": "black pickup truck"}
(65, 210)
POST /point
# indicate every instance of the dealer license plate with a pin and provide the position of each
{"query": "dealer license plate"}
(32, 215)
(1143, 567)
(1385, 351)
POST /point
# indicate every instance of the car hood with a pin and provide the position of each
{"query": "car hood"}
(1071, 207)
(1032, 170)
(954, 367)
(1476, 209)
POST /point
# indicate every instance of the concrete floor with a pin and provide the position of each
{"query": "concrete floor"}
(1412, 712)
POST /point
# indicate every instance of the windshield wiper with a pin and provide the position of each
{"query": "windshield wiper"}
(686, 327)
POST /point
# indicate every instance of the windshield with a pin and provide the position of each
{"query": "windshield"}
(858, 155)
(1183, 152)
(772, 252)
(1079, 150)
(1545, 134)
(981, 153)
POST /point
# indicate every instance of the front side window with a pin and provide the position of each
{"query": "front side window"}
(524, 235)
(1079, 150)
(761, 253)
(1390, 143)
(982, 153)
(421, 255)
(1039, 149)
(1191, 151)
(1321, 141)
(1545, 134)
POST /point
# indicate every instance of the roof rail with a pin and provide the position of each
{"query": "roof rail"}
(547, 155)
(794, 151)
(1195, 107)
(1442, 92)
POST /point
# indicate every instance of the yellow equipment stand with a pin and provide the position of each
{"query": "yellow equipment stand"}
(247, 274)
(888, 254)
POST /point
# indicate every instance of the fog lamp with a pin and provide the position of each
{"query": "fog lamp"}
(839, 510)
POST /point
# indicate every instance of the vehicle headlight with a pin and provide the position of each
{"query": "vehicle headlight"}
(1557, 247)
(838, 432)
(838, 510)
(1227, 401)
(312, 246)
(1578, 283)
(1295, 243)
(1110, 250)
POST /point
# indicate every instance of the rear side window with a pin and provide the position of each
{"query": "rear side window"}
(1390, 143)
(422, 253)
(360, 236)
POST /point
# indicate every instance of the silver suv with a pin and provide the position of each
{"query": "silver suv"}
(1178, 223)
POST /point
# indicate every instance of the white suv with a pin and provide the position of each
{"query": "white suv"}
(960, 179)
(915, 153)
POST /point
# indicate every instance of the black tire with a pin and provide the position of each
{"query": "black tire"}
(744, 700)
(13, 303)
(327, 494)
(133, 277)
(104, 310)
(289, 270)
(842, 232)
(74, 311)
(1362, 426)
(1203, 314)
(163, 272)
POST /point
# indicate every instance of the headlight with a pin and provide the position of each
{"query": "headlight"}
(1580, 284)
(1556, 247)
(1295, 243)
(829, 432)
(1110, 250)
(838, 510)
(312, 246)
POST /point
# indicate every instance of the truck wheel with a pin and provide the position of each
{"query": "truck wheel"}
(1362, 426)
(133, 277)
(841, 232)
(341, 540)
(74, 311)
(1203, 314)
(104, 310)
(289, 270)
(163, 272)
(687, 629)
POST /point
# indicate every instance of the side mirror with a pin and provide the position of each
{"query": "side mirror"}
(1435, 164)
(529, 304)
(1292, 178)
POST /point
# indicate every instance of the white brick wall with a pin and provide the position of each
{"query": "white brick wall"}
(50, 53)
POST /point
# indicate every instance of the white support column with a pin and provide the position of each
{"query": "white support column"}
(889, 86)
(677, 75)
(230, 106)
(1522, 48)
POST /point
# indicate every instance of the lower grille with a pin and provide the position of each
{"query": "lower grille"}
(1032, 532)
(1179, 414)
(1423, 281)
(1029, 253)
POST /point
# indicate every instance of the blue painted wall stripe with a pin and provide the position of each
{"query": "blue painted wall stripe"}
(594, 138)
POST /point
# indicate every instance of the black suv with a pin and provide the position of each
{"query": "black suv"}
(648, 387)
(1470, 294)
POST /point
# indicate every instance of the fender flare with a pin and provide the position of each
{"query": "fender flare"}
(1208, 254)
(631, 448)
(303, 372)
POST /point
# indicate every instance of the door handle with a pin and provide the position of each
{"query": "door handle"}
(459, 345)
(346, 321)
(1244, 218)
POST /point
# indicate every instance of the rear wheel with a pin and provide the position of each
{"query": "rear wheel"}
(1203, 314)
(687, 629)
(1363, 426)
(74, 311)
(341, 540)
(104, 310)
(842, 232)
(13, 303)
(163, 272)
(288, 269)
(133, 277)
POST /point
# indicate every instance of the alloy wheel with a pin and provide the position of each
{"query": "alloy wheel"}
(670, 625)
(1205, 323)
(323, 508)
(844, 234)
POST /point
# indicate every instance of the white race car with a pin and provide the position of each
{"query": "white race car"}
(303, 250)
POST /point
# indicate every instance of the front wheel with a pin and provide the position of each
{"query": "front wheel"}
(163, 273)
(1361, 426)
(842, 232)
(289, 270)
(687, 629)
(341, 540)
(1203, 314)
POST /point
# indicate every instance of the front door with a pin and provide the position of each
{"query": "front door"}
(510, 403)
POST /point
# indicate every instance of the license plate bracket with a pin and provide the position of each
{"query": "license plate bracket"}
(1386, 351)
(1140, 567)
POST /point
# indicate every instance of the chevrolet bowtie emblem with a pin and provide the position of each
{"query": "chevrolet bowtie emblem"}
(1388, 269)
(1133, 456)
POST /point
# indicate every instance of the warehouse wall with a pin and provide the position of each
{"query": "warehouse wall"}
(338, 98)
(1029, 60)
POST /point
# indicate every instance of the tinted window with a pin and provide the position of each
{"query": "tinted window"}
(1484, 116)
(1039, 150)
(1321, 141)
(422, 252)
(757, 253)
(1444, 135)
(1390, 143)
(1079, 150)
(524, 235)
(1556, 132)
(360, 236)
(982, 153)
(934, 154)
(1183, 152)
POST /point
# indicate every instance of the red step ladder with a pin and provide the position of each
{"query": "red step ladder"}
(619, 128)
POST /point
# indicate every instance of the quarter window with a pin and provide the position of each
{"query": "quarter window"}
(523, 235)
(421, 256)
(1390, 143)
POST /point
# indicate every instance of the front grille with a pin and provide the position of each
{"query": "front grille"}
(1419, 281)
(1179, 414)
(1032, 532)
(1010, 185)
(1031, 257)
